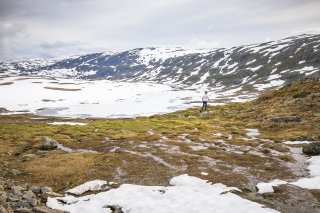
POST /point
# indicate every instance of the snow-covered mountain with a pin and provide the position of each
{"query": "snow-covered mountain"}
(252, 67)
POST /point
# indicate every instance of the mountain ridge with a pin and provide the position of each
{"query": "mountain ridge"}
(253, 67)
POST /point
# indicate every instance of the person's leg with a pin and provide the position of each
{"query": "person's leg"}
(205, 106)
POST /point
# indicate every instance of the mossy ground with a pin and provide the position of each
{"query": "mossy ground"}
(151, 150)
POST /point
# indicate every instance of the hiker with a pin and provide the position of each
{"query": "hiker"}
(205, 99)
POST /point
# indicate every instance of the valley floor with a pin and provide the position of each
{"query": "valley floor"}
(239, 145)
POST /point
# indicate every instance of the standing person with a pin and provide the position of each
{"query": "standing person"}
(205, 99)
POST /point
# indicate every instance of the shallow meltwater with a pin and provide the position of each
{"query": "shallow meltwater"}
(300, 164)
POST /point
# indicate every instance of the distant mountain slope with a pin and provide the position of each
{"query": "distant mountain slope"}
(251, 67)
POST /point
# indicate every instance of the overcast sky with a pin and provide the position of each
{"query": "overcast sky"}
(51, 28)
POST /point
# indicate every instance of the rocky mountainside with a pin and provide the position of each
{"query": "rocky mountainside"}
(249, 67)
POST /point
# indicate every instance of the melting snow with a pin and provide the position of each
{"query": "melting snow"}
(272, 83)
(186, 194)
(268, 187)
(95, 185)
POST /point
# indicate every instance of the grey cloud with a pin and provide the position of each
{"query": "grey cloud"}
(61, 44)
(9, 30)
(70, 26)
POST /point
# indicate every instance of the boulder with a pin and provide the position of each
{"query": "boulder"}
(311, 149)
(286, 119)
(32, 202)
(48, 143)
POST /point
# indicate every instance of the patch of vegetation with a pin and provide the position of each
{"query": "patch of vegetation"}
(151, 150)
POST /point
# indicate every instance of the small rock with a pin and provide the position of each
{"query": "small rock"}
(48, 143)
(3, 197)
(114, 209)
(22, 204)
(28, 157)
(311, 149)
(16, 191)
(12, 198)
(28, 195)
(15, 172)
(286, 119)
(32, 202)
(35, 189)
(46, 189)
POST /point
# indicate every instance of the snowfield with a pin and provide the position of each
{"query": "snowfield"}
(186, 194)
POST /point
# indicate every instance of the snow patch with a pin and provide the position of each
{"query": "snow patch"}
(187, 194)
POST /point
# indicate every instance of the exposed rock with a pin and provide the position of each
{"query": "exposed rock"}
(28, 195)
(15, 172)
(289, 198)
(22, 204)
(45, 189)
(35, 189)
(12, 198)
(5, 209)
(114, 209)
(3, 196)
(32, 202)
(16, 191)
(28, 157)
(48, 143)
(286, 119)
(311, 149)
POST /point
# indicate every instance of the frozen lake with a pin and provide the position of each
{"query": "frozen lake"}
(101, 98)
